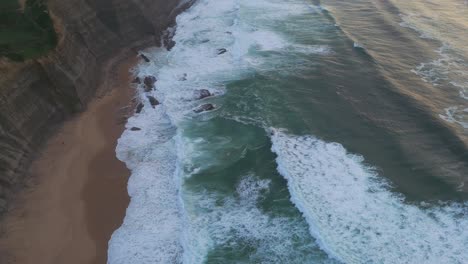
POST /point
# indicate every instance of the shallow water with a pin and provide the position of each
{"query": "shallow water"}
(324, 146)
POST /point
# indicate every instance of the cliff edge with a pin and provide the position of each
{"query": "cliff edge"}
(38, 95)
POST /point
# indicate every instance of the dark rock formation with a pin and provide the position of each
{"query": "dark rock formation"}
(203, 93)
(153, 101)
(136, 80)
(135, 129)
(204, 108)
(146, 59)
(149, 83)
(139, 107)
(38, 95)
(221, 51)
(167, 36)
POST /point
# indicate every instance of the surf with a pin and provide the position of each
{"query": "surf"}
(353, 214)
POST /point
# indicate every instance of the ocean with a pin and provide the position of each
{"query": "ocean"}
(338, 134)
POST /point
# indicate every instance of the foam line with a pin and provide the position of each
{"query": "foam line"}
(354, 216)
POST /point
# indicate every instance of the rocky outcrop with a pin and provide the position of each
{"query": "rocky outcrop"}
(201, 94)
(149, 83)
(37, 95)
(153, 101)
(222, 51)
(139, 107)
(204, 108)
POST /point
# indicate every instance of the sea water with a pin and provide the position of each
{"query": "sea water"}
(312, 153)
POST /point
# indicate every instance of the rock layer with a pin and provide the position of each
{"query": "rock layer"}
(38, 95)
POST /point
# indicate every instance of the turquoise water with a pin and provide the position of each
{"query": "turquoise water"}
(313, 153)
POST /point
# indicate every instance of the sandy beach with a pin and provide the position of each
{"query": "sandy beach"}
(77, 192)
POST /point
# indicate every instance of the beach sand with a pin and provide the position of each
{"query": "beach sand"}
(77, 196)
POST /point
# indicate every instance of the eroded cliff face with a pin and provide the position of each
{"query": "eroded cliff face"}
(38, 95)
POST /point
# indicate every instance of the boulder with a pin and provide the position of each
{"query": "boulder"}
(144, 58)
(137, 80)
(205, 107)
(149, 83)
(221, 51)
(170, 44)
(152, 101)
(203, 93)
(135, 129)
(139, 107)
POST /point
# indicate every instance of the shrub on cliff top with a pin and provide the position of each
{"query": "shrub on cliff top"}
(25, 33)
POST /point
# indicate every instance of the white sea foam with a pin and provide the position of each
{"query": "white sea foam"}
(235, 221)
(455, 114)
(156, 222)
(358, 45)
(449, 69)
(312, 49)
(152, 226)
(354, 216)
(408, 22)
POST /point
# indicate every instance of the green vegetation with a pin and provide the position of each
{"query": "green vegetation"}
(27, 33)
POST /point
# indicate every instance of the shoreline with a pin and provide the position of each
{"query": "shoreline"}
(76, 194)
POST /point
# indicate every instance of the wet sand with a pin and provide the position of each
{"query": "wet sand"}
(77, 196)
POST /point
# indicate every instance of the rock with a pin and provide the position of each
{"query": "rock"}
(139, 108)
(167, 38)
(205, 107)
(170, 44)
(203, 93)
(149, 83)
(152, 101)
(136, 80)
(221, 51)
(144, 58)
(135, 129)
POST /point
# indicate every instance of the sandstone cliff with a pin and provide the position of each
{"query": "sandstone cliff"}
(37, 95)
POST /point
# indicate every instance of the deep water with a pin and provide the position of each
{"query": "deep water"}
(317, 150)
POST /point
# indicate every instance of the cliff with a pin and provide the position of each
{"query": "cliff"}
(38, 95)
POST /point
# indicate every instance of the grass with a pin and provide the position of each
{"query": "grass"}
(25, 34)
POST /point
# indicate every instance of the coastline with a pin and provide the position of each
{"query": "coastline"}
(77, 191)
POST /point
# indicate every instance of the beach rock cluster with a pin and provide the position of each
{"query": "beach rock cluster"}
(149, 84)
